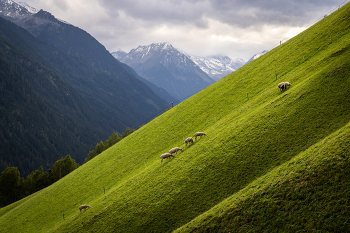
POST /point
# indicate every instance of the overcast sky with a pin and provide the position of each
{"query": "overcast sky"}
(235, 28)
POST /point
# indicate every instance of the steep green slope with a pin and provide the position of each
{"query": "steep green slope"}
(308, 193)
(248, 140)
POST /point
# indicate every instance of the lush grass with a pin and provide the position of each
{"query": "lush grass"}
(308, 193)
(250, 142)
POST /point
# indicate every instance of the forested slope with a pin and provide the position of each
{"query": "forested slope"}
(270, 160)
(43, 117)
(88, 103)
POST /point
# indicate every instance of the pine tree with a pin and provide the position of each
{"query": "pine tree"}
(11, 185)
(99, 148)
(63, 167)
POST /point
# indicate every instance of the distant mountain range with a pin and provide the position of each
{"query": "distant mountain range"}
(218, 67)
(166, 67)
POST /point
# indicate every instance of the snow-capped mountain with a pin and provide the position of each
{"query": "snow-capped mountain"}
(164, 53)
(29, 8)
(19, 12)
(13, 10)
(218, 67)
(256, 56)
(166, 67)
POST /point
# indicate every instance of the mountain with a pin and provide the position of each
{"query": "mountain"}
(29, 8)
(44, 118)
(12, 10)
(138, 97)
(157, 90)
(166, 67)
(256, 56)
(218, 67)
(271, 162)
(91, 92)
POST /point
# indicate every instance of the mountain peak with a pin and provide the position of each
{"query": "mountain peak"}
(216, 67)
(12, 10)
(166, 67)
(45, 15)
(165, 45)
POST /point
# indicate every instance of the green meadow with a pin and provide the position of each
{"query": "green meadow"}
(271, 161)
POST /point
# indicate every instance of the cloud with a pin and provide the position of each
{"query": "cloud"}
(237, 28)
(240, 13)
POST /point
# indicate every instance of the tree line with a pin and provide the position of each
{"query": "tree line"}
(13, 187)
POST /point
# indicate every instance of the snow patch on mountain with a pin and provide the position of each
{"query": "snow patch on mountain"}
(19, 11)
(11, 9)
(218, 67)
(29, 8)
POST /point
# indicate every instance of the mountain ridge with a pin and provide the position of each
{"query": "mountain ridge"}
(216, 67)
(166, 67)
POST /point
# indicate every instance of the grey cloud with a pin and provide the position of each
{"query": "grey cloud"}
(258, 12)
(187, 24)
(240, 13)
(161, 12)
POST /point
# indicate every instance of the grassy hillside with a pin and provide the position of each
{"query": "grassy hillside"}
(269, 158)
(310, 192)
